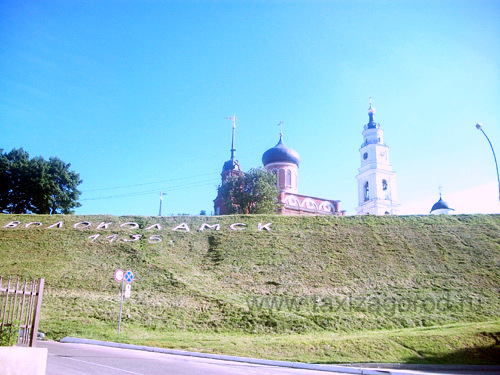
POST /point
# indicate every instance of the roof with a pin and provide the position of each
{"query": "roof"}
(441, 205)
(281, 153)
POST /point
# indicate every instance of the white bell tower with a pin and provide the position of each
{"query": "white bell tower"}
(376, 179)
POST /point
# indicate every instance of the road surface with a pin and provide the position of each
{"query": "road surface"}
(83, 359)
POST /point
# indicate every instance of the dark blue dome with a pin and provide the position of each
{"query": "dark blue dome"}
(441, 205)
(281, 153)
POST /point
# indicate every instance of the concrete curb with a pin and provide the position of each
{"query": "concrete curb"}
(306, 366)
(427, 367)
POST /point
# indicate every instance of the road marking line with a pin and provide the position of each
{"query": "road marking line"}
(97, 364)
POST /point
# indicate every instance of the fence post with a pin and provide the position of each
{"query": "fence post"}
(36, 315)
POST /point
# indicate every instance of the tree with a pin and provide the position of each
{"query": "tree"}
(36, 185)
(255, 192)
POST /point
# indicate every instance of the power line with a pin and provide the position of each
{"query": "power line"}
(151, 183)
(171, 188)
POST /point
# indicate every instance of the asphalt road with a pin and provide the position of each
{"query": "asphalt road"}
(83, 359)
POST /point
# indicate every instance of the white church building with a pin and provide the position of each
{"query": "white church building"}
(376, 180)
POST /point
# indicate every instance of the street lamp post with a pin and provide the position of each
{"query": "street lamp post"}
(480, 127)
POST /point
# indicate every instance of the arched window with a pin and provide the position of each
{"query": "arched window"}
(385, 188)
(275, 172)
(281, 178)
(366, 191)
(288, 178)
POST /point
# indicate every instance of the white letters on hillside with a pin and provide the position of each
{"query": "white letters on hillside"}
(113, 237)
(130, 225)
(182, 226)
(12, 224)
(205, 225)
(236, 226)
(85, 224)
(56, 225)
(265, 226)
(104, 225)
(36, 223)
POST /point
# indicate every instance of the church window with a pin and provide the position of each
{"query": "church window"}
(288, 178)
(281, 177)
(366, 190)
(365, 156)
(385, 189)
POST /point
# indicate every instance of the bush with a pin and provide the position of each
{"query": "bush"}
(9, 334)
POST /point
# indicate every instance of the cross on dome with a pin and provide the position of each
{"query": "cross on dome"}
(280, 124)
(371, 109)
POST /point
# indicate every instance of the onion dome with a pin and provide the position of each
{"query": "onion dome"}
(441, 207)
(371, 117)
(281, 153)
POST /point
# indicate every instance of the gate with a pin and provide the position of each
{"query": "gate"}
(20, 304)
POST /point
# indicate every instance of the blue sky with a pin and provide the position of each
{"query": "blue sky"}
(134, 93)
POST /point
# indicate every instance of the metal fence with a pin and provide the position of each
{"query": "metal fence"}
(20, 303)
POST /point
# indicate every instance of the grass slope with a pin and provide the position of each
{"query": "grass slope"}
(323, 289)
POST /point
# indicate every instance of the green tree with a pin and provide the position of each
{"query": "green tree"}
(254, 192)
(36, 185)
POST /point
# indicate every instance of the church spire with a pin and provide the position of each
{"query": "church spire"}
(232, 164)
(233, 150)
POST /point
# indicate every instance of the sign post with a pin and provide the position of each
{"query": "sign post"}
(128, 289)
(123, 277)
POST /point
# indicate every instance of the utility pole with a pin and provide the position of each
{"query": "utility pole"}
(161, 200)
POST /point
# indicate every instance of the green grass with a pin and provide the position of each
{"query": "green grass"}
(460, 343)
(414, 289)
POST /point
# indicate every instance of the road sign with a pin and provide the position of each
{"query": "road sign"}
(129, 276)
(128, 288)
(119, 275)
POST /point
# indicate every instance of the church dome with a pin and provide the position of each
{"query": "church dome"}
(371, 116)
(281, 153)
(441, 205)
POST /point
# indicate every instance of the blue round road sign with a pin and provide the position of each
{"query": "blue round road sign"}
(129, 276)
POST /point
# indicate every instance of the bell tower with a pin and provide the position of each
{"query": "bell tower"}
(231, 167)
(376, 179)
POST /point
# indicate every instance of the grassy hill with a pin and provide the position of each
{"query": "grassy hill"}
(309, 288)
